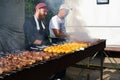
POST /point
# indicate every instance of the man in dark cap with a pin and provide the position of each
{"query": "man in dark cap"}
(34, 28)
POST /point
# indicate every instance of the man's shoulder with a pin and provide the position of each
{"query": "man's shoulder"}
(55, 18)
(29, 22)
(28, 19)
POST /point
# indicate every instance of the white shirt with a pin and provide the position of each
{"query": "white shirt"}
(56, 23)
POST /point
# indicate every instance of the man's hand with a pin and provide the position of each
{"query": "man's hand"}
(73, 38)
(37, 42)
(58, 33)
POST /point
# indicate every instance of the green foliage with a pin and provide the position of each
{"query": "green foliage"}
(29, 8)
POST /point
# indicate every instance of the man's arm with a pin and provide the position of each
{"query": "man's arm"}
(58, 33)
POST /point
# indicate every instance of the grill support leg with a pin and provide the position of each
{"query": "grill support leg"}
(88, 74)
(101, 65)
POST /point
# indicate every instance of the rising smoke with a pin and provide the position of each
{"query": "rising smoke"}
(54, 5)
(75, 23)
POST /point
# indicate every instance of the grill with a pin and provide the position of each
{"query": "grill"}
(44, 69)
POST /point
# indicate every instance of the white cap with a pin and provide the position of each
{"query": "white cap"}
(63, 6)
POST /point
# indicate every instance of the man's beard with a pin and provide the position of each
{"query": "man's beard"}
(42, 17)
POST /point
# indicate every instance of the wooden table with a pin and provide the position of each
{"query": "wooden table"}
(113, 48)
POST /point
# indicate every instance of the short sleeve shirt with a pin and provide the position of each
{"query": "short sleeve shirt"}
(56, 23)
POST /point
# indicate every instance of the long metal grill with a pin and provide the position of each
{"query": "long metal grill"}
(41, 68)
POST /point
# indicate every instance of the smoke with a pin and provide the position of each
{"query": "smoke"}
(75, 23)
(54, 5)
(80, 34)
(75, 16)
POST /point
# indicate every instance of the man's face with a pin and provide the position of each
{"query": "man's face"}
(64, 12)
(42, 13)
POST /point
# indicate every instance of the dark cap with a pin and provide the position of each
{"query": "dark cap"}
(40, 5)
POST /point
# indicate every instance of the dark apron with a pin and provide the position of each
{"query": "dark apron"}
(44, 37)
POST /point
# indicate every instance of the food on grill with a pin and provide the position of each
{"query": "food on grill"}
(55, 54)
(45, 56)
(1, 70)
(66, 47)
(18, 61)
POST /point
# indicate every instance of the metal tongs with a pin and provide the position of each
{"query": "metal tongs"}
(41, 47)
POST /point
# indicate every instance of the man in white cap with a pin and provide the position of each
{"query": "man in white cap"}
(56, 25)
(34, 28)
